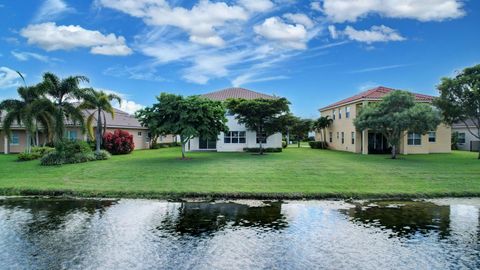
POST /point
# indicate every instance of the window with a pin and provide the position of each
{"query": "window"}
(15, 139)
(234, 137)
(432, 136)
(331, 136)
(343, 137)
(338, 135)
(414, 139)
(353, 137)
(461, 137)
(347, 112)
(139, 133)
(263, 138)
(340, 113)
(333, 114)
(72, 135)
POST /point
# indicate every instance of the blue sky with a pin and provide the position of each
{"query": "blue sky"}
(312, 52)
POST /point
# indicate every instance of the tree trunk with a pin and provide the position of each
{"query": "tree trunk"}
(37, 138)
(99, 132)
(394, 152)
(261, 139)
(28, 141)
(298, 143)
(184, 142)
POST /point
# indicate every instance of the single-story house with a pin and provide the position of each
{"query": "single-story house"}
(122, 120)
(238, 137)
(342, 134)
(466, 140)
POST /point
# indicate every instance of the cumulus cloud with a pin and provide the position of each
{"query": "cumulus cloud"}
(287, 35)
(377, 33)
(422, 10)
(200, 22)
(51, 37)
(316, 5)
(8, 78)
(299, 18)
(51, 9)
(257, 5)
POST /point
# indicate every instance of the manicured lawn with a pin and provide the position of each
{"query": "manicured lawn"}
(294, 173)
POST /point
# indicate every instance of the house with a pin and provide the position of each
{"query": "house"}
(122, 120)
(342, 134)
(466, 140)
(238, 137)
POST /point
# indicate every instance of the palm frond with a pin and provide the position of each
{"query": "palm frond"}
(89, 124)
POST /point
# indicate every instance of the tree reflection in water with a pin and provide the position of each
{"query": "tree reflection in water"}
(196, 218)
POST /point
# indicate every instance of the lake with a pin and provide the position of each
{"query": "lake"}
(66, 233)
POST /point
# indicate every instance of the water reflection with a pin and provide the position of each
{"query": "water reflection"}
(205, 218)
(42, 233)
(403, 218)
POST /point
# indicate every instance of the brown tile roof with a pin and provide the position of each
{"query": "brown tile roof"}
(122, 120)
(469, 122)
(376, 93)
(236, 92)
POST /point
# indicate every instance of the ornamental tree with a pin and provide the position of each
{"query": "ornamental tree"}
(396, 114)
(300, 129)
(459, 100)
(188, 117)
(119, 142)
(262, 115)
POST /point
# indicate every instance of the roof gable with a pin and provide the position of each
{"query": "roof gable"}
(376, 93)
(236, 92)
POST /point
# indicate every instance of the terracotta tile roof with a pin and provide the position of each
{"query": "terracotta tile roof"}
(376, 93)
(236, 92)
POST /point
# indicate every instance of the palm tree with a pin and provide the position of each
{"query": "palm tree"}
(64, 93)
(98, 102)
(321, 125)
(31, 109)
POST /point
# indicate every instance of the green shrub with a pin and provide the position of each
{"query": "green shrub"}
(284, 144)
(318, 145)
(24, 156)
(35, 153)
(266, 150)
(52, 158)
(80, 158)
(164, 145)
(103, 155)
(42, 150)
(72, 147)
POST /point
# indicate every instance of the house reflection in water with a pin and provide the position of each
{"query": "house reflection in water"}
(204, 218)
(409, 218)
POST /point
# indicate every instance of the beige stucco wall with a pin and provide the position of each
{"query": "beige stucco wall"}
(343, 125)
(442, 144)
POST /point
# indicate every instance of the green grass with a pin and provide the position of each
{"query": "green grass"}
(295, 173)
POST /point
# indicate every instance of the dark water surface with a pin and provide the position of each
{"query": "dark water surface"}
(46, 233)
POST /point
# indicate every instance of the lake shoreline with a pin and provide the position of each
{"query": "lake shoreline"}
(206, 196)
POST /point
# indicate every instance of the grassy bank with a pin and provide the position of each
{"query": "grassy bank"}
(295, 173)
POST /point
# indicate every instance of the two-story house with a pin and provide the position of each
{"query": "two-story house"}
(238, 137)
(342, 134)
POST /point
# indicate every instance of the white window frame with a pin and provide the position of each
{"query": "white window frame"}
(461, 138)
(15, 135)
(230, 136)
(414, 138)
(339, 113)
(331, 136)
(353, 137)
(69, 135)
(343, 137)
(347, 112)
(434, 136)
(333, 114)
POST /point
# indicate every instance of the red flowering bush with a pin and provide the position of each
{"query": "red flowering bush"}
(119, 142)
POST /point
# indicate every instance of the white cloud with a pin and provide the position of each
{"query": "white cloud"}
(377, 33)
(9, 78)
(257, 5)
(422, 10)
(300, 18)
(317, 6)
(51, 9)
(380, 68)
(51, 37)
(200, 22)
(25, 56)
(129, 106)
(142, 72)
(287, 35)
(333, 31)
(126, 105)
